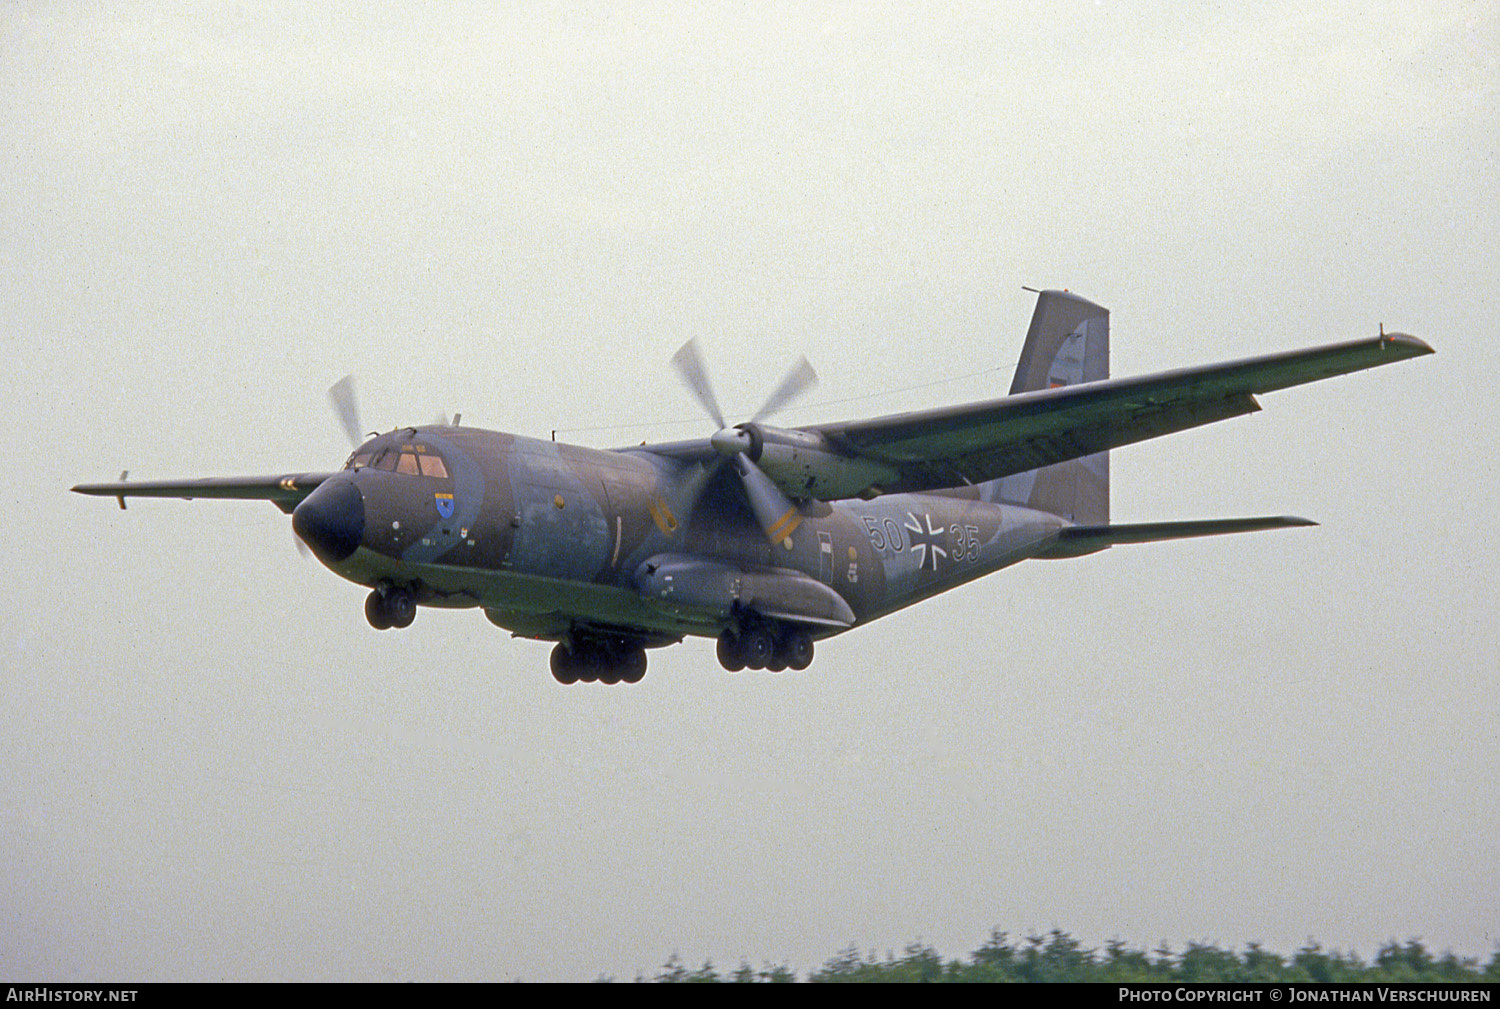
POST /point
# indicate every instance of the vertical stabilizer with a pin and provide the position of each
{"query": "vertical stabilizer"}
(1068, 343)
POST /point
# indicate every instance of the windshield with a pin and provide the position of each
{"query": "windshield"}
(409, 460)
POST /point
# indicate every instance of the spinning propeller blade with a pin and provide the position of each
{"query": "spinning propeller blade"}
(775, 512)
(342, 398)
(797, 381)
(689, 365)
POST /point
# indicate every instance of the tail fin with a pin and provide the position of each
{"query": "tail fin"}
(1068, 343)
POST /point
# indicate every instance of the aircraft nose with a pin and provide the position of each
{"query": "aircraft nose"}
(331, 520)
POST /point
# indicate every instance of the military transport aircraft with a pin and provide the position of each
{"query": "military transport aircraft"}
(765, 538)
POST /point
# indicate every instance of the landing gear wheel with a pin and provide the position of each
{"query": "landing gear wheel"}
(609, 669)
(633, 665)
(564, 669)
(605, 662)
(375, 611)
(757, 647)
(401, 606)
(796, 649)
(390, 606)
(729, 652)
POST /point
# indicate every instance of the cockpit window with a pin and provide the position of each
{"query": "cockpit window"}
(409, 460)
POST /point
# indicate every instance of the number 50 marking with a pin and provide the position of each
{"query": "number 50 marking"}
(890, 539)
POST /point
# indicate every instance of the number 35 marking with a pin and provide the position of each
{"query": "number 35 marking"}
(965, 542)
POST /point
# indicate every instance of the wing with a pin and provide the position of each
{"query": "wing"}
(285, 492)
(984, 441)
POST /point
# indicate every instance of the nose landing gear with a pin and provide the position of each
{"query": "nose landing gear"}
(390, 606)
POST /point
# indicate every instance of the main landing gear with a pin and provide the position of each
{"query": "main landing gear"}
(766, 647)
(591, 661)
(390, 606)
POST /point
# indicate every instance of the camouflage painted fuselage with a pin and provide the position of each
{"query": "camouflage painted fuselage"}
(553, 540)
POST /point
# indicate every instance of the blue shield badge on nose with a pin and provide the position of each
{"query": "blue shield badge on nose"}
(444, 504)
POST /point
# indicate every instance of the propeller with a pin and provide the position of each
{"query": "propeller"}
(689, 365)
(341, 395)
(798, 380)
(344, 404)
(775, 512)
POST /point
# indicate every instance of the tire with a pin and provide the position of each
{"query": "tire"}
(797, 649)
(633, 666)
(401, 606)
(375, 611)
(757, 648)
(564, 669)
(729, 653)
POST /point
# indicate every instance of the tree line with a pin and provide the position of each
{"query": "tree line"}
(1057, 956)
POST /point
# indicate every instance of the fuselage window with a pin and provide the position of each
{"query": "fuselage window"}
(432, 466)
(358, 460)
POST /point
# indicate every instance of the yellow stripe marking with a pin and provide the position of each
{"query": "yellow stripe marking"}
(784, 526)
(662, 516)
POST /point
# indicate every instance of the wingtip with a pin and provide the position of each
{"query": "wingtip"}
(1413, 346)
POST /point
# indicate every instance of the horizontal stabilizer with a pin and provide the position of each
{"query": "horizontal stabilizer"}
(1075, 541)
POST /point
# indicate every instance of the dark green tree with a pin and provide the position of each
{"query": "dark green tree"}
(1122, 965)
(1055, 957)
(1261, 965)
(1201, 963)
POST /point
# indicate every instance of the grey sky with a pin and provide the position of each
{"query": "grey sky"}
(213, 768)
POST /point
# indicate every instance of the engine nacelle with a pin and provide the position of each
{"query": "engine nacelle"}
(804, 465)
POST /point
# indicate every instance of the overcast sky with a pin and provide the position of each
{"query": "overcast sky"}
(211, 767)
